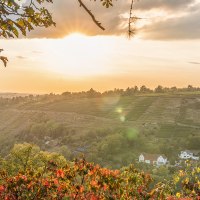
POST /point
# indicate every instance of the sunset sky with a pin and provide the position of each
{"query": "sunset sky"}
(76, 55)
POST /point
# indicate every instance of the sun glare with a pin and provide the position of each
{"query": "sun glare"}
(75, 36)
(78, 55)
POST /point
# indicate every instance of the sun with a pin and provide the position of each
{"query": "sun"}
(75, 36)
(78, 55)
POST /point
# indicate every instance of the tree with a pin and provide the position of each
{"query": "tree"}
(159, 89)
(144, 89)
(190, 88)
(28, 156)
(92, 93)
(19, 18)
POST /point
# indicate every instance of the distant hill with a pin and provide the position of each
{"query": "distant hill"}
(11, 95)
(154, 123)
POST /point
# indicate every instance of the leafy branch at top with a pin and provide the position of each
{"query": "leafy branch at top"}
(3, 59)
(15, 19)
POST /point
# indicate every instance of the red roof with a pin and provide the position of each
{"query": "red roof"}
(152, 157)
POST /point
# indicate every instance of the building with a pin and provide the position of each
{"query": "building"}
(153, 159)
(189, 154)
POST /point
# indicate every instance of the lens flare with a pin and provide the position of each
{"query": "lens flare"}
(122, 118)
(119, 110)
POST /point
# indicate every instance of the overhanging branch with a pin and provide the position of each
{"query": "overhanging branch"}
(3, 59)
(130, 30)
(91, 15)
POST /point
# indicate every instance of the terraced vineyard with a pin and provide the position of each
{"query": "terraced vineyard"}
(140, 109)
(164, 116)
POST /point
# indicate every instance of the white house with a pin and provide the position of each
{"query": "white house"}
(189, 154)
(154, 159)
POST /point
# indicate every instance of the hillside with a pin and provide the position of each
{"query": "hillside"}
(165, 108)
(83, 125)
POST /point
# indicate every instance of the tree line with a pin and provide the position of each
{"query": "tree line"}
(92, 93)
(132, 91)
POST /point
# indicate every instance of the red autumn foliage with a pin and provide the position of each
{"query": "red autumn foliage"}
(83, 181)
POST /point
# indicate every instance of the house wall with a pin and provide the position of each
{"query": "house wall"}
(141, 158)
(188, 155)
(161, 161)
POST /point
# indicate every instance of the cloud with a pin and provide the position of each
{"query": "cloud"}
(163, 4)
(186, 27)
(194, 63)
(180, 21)
(21, 57)
(37, 52)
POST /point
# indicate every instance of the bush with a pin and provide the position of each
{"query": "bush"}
(55, 179)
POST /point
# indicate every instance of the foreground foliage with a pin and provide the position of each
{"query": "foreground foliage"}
(82, 180)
